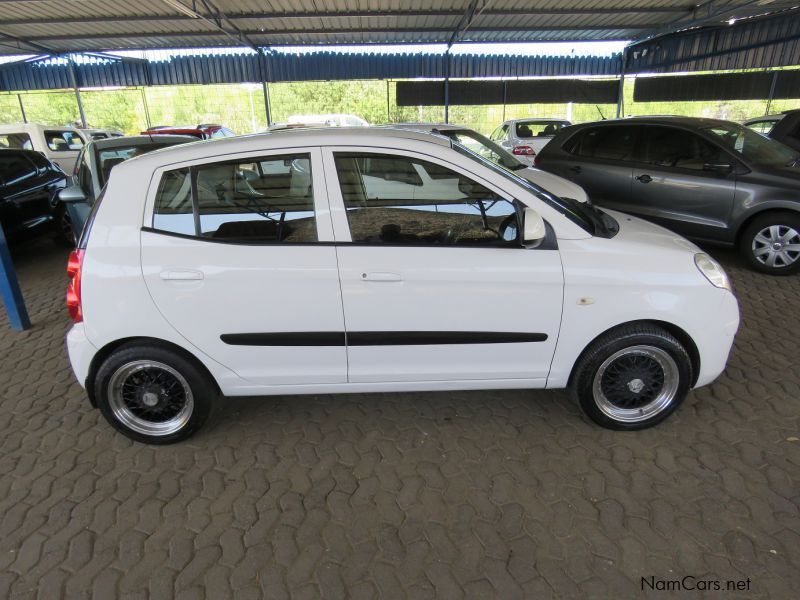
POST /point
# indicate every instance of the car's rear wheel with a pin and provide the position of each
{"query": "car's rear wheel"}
(771, 243)
(633, 377)
(152, 394)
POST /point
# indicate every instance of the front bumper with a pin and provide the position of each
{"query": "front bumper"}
(714, 344)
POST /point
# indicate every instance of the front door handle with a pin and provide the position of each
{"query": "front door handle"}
(645, 178)
(182, 275)
(381, 277)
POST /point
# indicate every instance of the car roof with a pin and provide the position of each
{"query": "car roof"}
(290, 138)
(11, 128)
(136, 140)
(538, 120)
(691, 122)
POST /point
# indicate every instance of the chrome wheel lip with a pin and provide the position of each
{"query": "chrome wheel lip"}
(126, 417)
(659, 404)
(776, 246)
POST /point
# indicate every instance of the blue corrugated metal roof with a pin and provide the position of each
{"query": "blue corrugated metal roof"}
(765, 42)
(94, 71)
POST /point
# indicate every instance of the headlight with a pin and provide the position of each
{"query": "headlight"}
(712, 271)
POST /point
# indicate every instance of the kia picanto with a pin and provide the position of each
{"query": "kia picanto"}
(363, 260)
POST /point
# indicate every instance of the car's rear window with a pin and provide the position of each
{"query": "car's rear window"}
(16, 140)
(530, 129)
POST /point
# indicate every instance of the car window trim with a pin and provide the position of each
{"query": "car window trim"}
(736, 162)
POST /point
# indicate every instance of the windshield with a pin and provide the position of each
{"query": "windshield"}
(484, 147)
(752, 147)
(582, 214)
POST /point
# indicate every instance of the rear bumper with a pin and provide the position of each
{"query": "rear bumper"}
(81, 352)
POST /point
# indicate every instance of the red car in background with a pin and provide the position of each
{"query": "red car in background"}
(201, 132)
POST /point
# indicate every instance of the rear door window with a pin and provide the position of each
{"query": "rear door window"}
(615, 142)
(263, 200)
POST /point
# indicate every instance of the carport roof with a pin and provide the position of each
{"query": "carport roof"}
(59, 26)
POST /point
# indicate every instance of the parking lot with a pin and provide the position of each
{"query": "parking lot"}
(454, 494)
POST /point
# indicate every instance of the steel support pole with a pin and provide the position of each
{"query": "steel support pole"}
(74, 81)
(772, 90)
(621, 92)
(447, 86)
(146, 109)
(9, 289)
(388, 111)
(22, 108)
(266, 103)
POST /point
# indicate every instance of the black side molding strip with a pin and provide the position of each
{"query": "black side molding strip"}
(380, 338)
(302, 338)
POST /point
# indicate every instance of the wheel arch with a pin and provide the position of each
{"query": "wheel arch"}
(678, 333)
(741, 227)
(111, 347)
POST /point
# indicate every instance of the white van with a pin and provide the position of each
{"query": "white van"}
(59, 144)
(363, 260)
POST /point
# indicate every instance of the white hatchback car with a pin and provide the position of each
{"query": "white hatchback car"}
(525, 138)
(323, 261)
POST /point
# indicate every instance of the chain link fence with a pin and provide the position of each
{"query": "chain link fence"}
(241, 107)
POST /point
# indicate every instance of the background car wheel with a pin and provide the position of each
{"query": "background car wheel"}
(153, 394)
(633, 377)
(64, 232)
(771, 243)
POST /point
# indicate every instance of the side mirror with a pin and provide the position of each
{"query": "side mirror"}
(533, 228)
(72, 194)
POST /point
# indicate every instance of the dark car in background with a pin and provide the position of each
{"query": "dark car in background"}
(706, 179)
(29, 187)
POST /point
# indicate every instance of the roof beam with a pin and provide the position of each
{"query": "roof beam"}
(307, 32)
(17, 43)
(682, 10)
(215, 20)
(702, 14)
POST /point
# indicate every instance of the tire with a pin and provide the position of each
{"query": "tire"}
(757, 243)
(63, 225)
(632, 377)
(152, 394)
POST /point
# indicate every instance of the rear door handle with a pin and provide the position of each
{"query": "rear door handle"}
(182, 275)
(576, 169)
(645, 178)
(381, 277)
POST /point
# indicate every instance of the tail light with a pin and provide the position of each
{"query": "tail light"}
(523, 151)
(74, 265)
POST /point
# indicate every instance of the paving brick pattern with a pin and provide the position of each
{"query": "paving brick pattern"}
(468, 494)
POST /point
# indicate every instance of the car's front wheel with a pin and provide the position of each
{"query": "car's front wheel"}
(152, 394)
(632, 377)
(771, 243)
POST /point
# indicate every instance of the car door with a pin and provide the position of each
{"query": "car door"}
(600, 160)
(684, 182)
(435, 285)
(26, 192)
(237, 256)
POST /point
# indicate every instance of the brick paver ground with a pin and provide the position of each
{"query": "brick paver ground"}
(470, 494)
